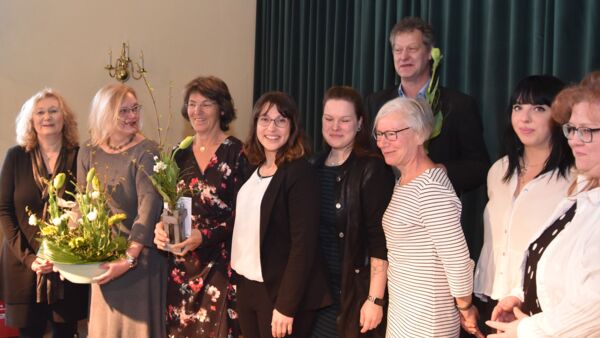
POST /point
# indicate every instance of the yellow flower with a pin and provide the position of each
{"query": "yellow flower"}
(96, 183)
(186, 142)
(49, 230)
(59, 180)
(114, 219)
(91, 174)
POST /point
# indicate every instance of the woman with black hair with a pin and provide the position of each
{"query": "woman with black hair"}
(523, 186)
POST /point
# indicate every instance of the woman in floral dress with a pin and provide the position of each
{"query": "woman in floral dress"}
(200, 297)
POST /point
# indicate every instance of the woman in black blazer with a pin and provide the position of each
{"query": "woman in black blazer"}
(275, 238)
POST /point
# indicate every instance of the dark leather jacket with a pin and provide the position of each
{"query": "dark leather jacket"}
(363, 190)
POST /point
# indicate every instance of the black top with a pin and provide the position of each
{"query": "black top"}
(18, 190)
(531, 305)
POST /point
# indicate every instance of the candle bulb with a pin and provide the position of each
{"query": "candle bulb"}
(109, 56)
(142, 57)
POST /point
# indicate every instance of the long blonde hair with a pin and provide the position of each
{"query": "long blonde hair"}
(104, 111)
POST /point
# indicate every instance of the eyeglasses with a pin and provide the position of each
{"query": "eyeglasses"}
(202, 106)
(585, 134)
(51, 110)
(390, 135)
(280, 122)
(133, 109)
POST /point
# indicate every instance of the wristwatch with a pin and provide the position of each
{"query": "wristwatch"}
(131, 260)
(376, 301)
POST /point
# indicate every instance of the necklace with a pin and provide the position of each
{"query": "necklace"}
(330, 162)
(120, 146)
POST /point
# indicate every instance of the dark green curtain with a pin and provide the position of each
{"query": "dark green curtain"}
(303, 47)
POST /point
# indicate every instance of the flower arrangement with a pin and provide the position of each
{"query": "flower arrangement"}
(88, 235)
(167, 174)
(433, 94)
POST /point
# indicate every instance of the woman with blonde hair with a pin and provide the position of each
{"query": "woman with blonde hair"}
(128, 300)
(47, 145)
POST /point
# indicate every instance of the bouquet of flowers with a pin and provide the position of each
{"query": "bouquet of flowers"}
(81, 231)
(167, 175)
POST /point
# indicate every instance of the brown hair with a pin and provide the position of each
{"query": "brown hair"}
(295, 147)
(410, 24)
(26, 134)
(361, 143)
(214, 89)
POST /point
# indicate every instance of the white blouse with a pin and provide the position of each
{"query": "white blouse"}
(245, 246)
(568, 275)
(509, 223)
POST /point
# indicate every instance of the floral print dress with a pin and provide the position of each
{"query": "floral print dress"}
(200, 296)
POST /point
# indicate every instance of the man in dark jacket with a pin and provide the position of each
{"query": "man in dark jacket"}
(459, 148)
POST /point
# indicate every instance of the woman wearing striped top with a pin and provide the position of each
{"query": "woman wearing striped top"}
(430, 274)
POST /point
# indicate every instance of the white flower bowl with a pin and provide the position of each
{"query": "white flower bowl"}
(79, 273)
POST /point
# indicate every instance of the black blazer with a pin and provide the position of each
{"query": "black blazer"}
(459, 146)
(289, 232)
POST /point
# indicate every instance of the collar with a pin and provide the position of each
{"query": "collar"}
(421, 94)
(593, 195)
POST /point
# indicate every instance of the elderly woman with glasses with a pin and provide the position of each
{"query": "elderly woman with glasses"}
(561, 270)
(47, 146)
(200, 296)
(430, 274)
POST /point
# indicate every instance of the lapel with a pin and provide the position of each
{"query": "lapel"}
(269, 198)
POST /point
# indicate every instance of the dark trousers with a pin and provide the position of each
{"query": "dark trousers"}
(255, 311)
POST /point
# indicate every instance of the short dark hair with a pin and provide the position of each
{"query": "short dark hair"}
(537, 90)
(349, 94)
(411, 23)
(214, 89)
(296, 146)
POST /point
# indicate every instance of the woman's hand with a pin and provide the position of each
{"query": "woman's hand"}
(114, 270)
(468, 321)
(190, 243)
(370, 316)
(503, 312)
(281, 324)
(507, 330)
(41, 266)
(161, 238)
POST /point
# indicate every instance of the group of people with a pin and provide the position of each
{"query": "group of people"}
(354, 241)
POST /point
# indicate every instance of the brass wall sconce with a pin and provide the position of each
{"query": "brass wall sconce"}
(124, 68)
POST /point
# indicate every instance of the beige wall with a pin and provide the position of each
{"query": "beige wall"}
(64, 44)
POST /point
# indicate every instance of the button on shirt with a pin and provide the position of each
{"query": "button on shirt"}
(509, 223)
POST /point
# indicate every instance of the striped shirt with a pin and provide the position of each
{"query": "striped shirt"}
(428, 258)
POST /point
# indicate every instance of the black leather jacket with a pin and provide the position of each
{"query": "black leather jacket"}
(363, 190)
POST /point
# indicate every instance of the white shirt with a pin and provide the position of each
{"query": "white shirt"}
(568, 274)
(245, 247)
(509, 223)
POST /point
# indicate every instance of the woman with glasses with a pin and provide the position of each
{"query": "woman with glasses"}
(531, 178)
(200, 296)
(561, 270)
(430, 274)
(356, 187)
(128, 300)
(282, 281)
(47, 145)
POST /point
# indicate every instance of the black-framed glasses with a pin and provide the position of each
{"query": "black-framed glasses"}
(585, 134)
(390, 135)
(202, 106)
(133, 109)
(280, 122)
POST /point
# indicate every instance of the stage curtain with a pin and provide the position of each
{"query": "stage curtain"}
(303, 47)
